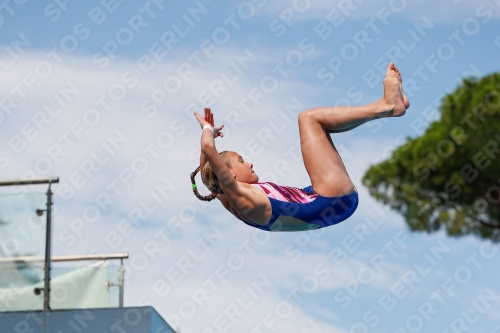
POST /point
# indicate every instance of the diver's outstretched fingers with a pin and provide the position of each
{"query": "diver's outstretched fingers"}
(209, 117)
(200, 119)
(207, 114)
(218, 129)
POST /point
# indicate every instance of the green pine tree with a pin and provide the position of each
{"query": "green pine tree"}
(450, 176)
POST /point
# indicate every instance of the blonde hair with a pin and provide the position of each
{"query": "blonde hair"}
(209, 178)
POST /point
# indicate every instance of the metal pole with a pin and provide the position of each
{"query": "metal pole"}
(73, 257)
(46, 289)
(122, 271)
(32, 181)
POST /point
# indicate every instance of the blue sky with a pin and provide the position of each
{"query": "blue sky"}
(100, 95)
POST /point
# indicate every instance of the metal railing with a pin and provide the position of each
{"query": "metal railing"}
(72, 257)
(32, 181)
(78, 257)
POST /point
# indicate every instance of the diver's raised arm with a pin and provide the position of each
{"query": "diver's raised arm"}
(238, 195)
(226, 179)
(209, 117)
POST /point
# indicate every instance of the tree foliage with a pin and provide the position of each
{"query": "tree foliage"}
(449, 177)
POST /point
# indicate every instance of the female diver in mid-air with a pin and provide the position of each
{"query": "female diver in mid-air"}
(331, 199)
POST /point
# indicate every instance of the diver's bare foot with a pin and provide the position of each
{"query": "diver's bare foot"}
(393, 95)
(405, 99)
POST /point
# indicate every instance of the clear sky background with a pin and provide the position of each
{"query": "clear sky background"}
(101, 94)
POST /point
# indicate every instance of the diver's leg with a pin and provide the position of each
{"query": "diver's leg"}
(323, 163)
(342, 118)
(406, 102)
(322, 160)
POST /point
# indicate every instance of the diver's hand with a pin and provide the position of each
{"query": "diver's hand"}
(209, 120)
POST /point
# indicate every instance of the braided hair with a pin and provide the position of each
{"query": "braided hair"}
(209, 179)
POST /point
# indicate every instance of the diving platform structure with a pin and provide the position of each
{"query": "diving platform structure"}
(38, 297)
(100, 320)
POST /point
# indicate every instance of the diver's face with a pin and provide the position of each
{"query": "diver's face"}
(242, 171)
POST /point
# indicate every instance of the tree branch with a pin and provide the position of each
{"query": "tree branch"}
(486, 224)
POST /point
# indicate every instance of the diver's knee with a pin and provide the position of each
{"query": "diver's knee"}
(306, 116)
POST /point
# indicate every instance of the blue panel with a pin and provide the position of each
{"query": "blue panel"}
(130, 320)
(158, 325)
(21, 322)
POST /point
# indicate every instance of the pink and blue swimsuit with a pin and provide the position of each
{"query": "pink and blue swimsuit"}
(295, 209)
